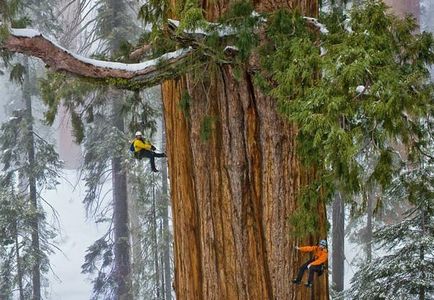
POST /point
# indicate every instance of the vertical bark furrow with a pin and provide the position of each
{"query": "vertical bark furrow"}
(233, 150)
(257, 181)
(188, 273)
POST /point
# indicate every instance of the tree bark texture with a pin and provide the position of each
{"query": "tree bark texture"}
(338, 251)
(405, 7)
(232, 194)
(122, 259)
(369, 228)
(135, 233)
(18, 264)
(33, 197)
(166, 228)
(120, 217)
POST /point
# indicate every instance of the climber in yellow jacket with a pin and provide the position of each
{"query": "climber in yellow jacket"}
(144, 148)
(315, 264)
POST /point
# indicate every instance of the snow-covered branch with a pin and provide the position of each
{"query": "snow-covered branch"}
(322, 28)
(222, 31)
(57, 58)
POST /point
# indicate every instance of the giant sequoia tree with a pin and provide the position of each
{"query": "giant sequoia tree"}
(259, 134)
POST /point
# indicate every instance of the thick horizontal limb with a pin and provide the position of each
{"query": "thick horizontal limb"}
(58, 59)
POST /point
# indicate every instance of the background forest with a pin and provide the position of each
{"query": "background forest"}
(258, 162)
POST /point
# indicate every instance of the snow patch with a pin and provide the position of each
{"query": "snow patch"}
(322, 28)
(25, 32)
(222, 31)
(323, 51)
(360, 89)
(231, 48)
(130, 67)
(347, 25)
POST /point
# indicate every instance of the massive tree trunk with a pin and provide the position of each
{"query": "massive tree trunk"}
(232, 194)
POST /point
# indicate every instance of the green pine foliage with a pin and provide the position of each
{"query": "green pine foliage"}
(6, 281)
(16, 211)
(43, 15)
(407, 267)
(101, 142)
(79, 97)
(404, 267)
(184, 104)
(8, 9)
(206, 128)
(14, 158)
(14, 216)
(16, 73)
(140, 112)
(99, 260)
(192, 17)
(37, 13)
(114, 24)
(241, 17)
(21, 22)
(146, 191)
(302, 221)
(155, 12)
(317, 80)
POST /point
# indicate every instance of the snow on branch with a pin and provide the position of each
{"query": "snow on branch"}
(212, 27)
(322, 28)
(31, 42)
(222, 31)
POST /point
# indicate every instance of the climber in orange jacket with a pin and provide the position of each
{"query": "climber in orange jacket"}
(315, 264)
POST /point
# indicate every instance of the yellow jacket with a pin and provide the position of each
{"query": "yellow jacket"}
(140, 144)
(320, 254)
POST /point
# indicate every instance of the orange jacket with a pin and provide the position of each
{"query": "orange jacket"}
(320, 254)
(140, 144)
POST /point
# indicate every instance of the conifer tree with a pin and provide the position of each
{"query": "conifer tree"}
(21, 13)
(405, 266)
(29, 235)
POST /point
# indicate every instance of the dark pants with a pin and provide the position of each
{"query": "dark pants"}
(151, 155)
(318, 269)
